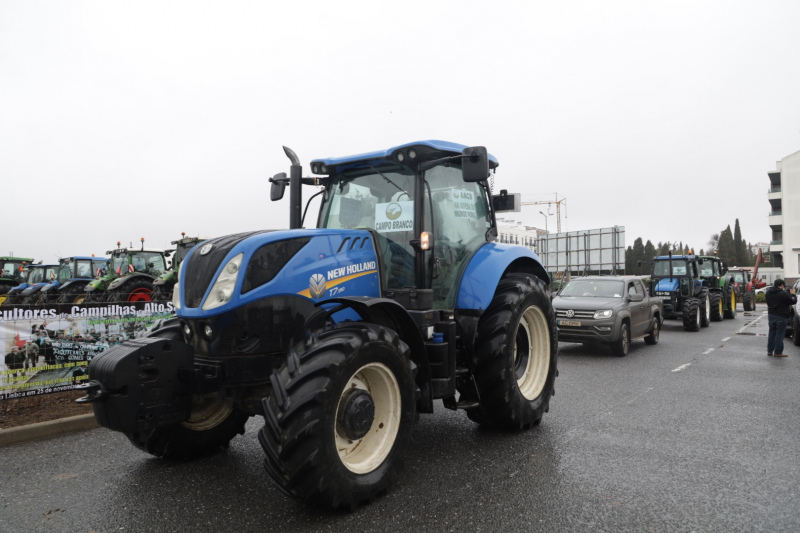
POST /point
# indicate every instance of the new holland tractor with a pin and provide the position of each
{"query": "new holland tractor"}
(340, 336)
(694, 288)
(129, 277)
(74, 273)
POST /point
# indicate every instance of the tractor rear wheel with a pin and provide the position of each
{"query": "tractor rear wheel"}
(516, 355)
(691, 314)
(715, 299)
(161, 293)
(730, 300)
(339, 419)
(749, 301)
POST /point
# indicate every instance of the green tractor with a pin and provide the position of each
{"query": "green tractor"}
(130, 276)
(12, 273)
(695, 289)
(162, 287)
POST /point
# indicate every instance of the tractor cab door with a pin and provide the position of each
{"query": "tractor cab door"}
(461, 222)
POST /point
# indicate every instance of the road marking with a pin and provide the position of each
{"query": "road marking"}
(682, 367)
(726, 339)
(708, 351)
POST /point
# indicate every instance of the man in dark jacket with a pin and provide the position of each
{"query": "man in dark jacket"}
(779, 303)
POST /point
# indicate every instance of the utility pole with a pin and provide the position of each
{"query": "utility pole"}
(557, 203)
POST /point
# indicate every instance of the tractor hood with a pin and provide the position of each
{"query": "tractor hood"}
(225, 273)
(667, 285)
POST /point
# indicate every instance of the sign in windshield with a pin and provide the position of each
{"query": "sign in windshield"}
(594, 288)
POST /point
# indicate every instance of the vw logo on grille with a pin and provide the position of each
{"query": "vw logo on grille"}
(205, 249)
(570, 313)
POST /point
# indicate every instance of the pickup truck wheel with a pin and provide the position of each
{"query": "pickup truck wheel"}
(338, 422)
(705, 310)
(515, 357)
(715, 298)
(691, 315)
(621, 347)
(655, 330)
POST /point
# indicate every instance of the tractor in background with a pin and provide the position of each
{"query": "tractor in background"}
(36, 277)
(162, 287)
(694, 288)
(130, 275)
(74, 273)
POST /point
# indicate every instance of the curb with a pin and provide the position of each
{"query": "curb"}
(51, 428)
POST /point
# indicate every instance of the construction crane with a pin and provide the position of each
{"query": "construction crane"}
(558, 203)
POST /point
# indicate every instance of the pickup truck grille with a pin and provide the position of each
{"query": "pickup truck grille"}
(562, 313)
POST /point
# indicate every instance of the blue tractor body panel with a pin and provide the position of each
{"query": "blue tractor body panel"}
(484, 271)
(444, 146)
(334, 263)
(667, 285)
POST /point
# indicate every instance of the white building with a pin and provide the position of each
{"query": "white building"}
(513, 232)
(784, 216)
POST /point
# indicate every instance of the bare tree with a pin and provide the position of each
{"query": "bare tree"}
(713, 242)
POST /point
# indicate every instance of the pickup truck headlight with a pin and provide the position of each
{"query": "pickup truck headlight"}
(603, 314)
(222, 290)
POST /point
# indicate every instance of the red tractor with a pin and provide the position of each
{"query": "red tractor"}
(747, 282)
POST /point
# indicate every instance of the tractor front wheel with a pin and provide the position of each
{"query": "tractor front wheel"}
(516, 355)
(339, 419)
(749, 301)
(705, 309)
(731, 301)
(691, 314)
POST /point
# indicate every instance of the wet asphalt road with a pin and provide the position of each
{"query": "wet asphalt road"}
(698, 433)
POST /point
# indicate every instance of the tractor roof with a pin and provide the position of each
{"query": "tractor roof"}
(89, 257)
(426, 151)
(27, 259)
(687, 257)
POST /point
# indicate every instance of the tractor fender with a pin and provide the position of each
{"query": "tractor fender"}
(32, 289)
(52, 286)
(135, 276)
(391, 314)
(485, 269)
(79, 283)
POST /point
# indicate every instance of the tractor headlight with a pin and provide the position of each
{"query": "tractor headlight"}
(222, 291)
(176, 290)
(603, 314)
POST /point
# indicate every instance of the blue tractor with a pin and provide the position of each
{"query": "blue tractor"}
(340, 336)
(74, 273)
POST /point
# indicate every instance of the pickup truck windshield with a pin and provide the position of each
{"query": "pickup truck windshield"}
(594, 289)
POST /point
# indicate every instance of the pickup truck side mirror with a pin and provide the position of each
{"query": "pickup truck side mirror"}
(636, 297)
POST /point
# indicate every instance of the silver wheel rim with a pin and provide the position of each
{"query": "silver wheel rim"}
(531, 354)
(364, 455)
(208, 412)
(655, 330)
(697, 316)
(708, 309)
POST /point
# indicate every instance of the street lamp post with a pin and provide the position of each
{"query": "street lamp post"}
(545, 221)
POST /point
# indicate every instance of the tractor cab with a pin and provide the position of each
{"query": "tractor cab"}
(427, 205)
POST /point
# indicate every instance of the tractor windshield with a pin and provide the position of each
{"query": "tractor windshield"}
(661, 267)
(13, 270)
(148, 262)
(36, 275)
(65, 272)
(738, 276)
(380, 201)
(119, 262)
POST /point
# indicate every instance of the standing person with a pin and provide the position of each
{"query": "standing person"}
(779, 303)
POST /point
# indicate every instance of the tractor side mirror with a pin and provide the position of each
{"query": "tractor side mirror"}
(724, 267)
(279, 182)
(475, 164)
(506, 202)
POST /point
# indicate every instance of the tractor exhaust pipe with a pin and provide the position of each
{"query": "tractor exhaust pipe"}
(295, 194)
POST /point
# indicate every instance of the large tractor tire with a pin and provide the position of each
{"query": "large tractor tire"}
(621, 347)
(211, 426)
(339, 419)
(75, 296)
(516, 355)
(161, 293)
(691, 314)
(715, 299)
(705, 309)
(749, 301)
(730, 303)
(95, 297)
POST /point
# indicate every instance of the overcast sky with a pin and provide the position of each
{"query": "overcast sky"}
(121, 120)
